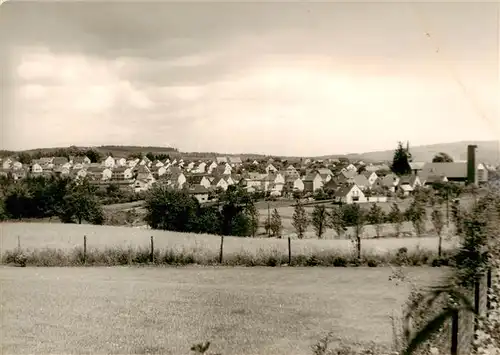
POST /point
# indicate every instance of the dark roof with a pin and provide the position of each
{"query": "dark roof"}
(197, 189)
(450, 170)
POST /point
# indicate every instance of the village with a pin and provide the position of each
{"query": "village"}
(337, 179)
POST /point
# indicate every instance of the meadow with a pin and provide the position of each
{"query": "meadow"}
(68, 236)
(145, 310)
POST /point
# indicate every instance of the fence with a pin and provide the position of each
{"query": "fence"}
(457, 334)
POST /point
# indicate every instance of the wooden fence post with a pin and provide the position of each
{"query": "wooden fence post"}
(289, 252)
(152, 256)
(454, 333)
(488, 284)
(18, 243)
(221, 248)
(477, 304)
(84, 249)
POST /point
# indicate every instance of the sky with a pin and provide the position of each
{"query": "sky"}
(283, 78)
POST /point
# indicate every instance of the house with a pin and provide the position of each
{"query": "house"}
(198, 179)
(350, 194)
(36, 168)
(95, 172)
(109, 162)
(270, 168)
(201, 168)
(413, 181)
(141, 185)
(61, 171)
(361, 181)
(222, 170)
(351, 167)
(229, 180)
(80, 160)
(219, 182)
(59, 161)
(143, 173)
(312, 182)
(371, 176)
(331, 186)
(292, 172)
(199, 192)
(416, 167)
(7, 163)
(120, 162)
(390, 181)
(190, 166)
(177, 179)
(211, 167)
(16, 165)
(348, 174)
(19, 174)
(235, 161)
(221, 160)
(294, 183)
(46, 161)
(482, 173)
(162, 170)
(427, 180)
(80, 174)
(122, 173)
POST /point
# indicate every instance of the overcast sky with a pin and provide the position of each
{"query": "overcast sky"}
(282, 78)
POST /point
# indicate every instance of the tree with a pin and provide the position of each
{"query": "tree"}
(359, 218)
(416, 215)
(438, 222)
(253, 215)
(397, 218)
(300, 220)
(319, 220)
(235, 202)
(275, 224)
(151, 156)
(24, 158)
(93, 155)
(442, 158)
(171, 209)
(81, 204)
(400, 165)
(337, 221)
(376, 217)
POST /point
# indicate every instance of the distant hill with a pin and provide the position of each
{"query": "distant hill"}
(487, 151)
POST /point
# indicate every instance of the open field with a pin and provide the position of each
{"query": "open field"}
(251, 311)
(68, 236)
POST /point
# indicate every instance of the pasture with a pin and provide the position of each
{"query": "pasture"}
(68, 236)
(251, 311)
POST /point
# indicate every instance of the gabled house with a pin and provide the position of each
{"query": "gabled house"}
(144, 173)
(122, 173)
(80, 160)
(221, 160)
(229, 180)
(199, 192)
(222, 170)
(312, 182)
(211, 167)
(371, 176)
(7, 163)
(109, 162)
(390, 181)
(350, 194)
(413, 181)
(198, 179)
(16, 165)
(270, 168)
(36, 168)
(190, 166)
(235, 161)
(59, 161)
(219, 182)
(120, 162)
(201, 168)
(361, 181)
(80, 174)
(294, 183)
(291, 171)
(351, 167)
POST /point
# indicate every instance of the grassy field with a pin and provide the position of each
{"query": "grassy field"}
(68, 236)
(251, 311)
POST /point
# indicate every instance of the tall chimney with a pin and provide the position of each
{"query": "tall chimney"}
(471, 164)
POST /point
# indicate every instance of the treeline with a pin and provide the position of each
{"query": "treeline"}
(41, 197)
(27, 157)
(176, 210)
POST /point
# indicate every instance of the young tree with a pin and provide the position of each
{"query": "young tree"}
(300, 219)
(337, 221)
(376, 217)
(275, 225)
(253, 215)
(400, 164)
(438, 222)
(267, 226)
(416, 215)
(319, 220)
(397, 218)
(359, 219)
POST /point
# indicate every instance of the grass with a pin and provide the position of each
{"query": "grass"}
(166, 310)
(61, 244)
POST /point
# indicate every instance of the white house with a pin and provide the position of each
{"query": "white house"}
(211, 167)
(220, 182)
(350, 194)
(36, 168)
(109, 162)
(120, 162)
(312, 182)
(271, 169)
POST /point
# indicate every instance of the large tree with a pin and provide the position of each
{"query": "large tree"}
(376, 217)
(400, 164)
(81, 204)
(442, 158)
(275, 224)
(337, 221)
